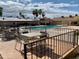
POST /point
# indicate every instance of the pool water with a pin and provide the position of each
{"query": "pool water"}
(44, 27)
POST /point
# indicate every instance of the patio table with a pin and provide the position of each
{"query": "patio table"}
(30, 37)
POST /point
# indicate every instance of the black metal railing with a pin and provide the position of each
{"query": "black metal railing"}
(51, 47)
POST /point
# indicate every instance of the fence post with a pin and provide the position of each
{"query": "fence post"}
(77, 36)
(25, 52)
(74, 34)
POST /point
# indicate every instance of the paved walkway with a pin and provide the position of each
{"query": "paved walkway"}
(8, 51)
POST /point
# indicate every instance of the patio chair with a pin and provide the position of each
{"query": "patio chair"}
(20, 39)
(44, 34)
(25, 32)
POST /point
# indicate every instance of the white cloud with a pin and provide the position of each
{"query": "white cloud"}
(28, 0)
(55, 7)
(49, 4)
(14, 3)
(10, 5)
(56, 10)
(50, 8)
(64, 5)
(2, 3)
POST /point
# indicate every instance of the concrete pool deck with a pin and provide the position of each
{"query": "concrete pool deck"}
(55, 31)
(72, 27)
(7, 50)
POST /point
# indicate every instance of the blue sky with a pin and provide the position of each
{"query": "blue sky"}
(53, 8)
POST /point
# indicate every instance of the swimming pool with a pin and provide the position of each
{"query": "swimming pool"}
(45, 27)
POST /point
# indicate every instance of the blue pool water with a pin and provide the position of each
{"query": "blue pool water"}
(44, 27)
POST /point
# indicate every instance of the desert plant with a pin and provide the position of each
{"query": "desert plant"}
(62, 16)
(70, 16)
(76, 14)
(77, 21)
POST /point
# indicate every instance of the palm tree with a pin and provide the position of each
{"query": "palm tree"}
(40, 12)
(35, 12)
(1, 9)
(43, 14)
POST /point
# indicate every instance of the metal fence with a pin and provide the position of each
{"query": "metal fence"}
(51, 47)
